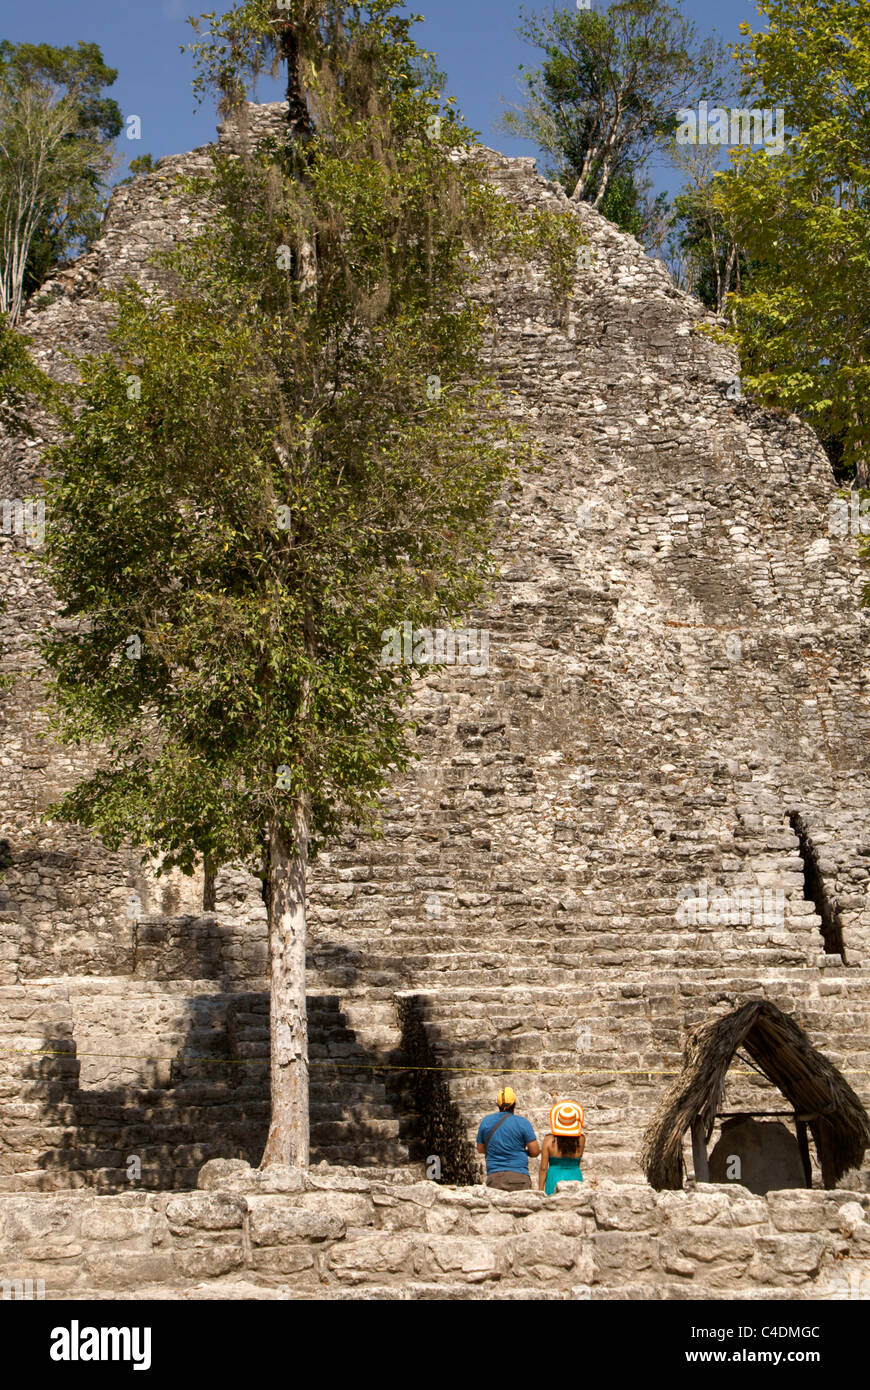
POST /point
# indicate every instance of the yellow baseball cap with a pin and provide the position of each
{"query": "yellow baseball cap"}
(506, 1097)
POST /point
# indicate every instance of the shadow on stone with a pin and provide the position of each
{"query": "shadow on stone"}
(441, 1131)
(211, 1100)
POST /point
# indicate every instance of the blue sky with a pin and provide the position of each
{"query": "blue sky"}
(475, 41)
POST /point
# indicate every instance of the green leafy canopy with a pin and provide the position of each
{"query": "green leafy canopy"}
(803, 329)
(261, 478)
(56, 132)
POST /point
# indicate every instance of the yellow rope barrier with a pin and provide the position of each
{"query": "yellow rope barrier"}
(386, 1066)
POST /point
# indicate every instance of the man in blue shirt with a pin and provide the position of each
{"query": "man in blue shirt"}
(508, 1141)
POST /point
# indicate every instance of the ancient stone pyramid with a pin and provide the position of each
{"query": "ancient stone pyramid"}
(647, 807)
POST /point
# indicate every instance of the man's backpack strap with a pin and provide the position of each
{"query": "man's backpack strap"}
(493, 1130)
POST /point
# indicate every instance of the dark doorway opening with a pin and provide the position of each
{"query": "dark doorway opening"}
(815, 891)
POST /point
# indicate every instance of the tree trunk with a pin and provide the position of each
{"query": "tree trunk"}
(209, 877)
(287, 1142)
(862, 472)
(611, 146)
(297, 107)
(580, 186)
(728, 274)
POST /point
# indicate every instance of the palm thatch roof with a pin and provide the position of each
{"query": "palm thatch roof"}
(781, 1050)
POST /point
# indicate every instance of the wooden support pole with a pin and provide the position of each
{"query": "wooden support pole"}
(804, 1146)
(699, 1152)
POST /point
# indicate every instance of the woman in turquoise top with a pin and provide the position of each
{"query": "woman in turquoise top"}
(563, 1147)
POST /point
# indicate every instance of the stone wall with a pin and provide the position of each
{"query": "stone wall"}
(347, 1236)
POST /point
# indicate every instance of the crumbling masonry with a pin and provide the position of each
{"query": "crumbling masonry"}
(673, 727)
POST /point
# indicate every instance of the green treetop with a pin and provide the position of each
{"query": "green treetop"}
(56, 134)
(803, 217)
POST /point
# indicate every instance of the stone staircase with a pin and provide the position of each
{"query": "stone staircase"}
(488, 922)
(170, 1074)
(615, 1045)
(415, 1019)
(410, 1025)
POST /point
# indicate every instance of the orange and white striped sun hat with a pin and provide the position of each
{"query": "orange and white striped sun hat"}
(566, 1118)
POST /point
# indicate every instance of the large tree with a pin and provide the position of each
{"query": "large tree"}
(56, 133)
(803, 324)
(705, 256)
(607, 93)
(274, 468)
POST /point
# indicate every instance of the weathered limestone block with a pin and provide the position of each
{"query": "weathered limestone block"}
(465, 1257)
(561, 1221)
(614, 1212)
(794, 1258)
(299, 1260)
(396, 1208)
(201, 1260)
(337, 1181)
(24, 1221)
(356, 1260)
(407, 1216)
(617, 1251)
(59, 1279)
(52, 1250)
(123, 1227)
(220, 1211)
(796, 1211)
(117, 1270)
(353, 1209)
(749, 1212)
(544, 1256)
(271, 1223)
(449, 1219)
(236, 1175)
(707, 1245)
(674, 1263)
(704, 1206)
(489, 1223)
(850, 1217)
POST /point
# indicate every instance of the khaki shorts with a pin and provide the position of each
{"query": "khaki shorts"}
(509, 1182)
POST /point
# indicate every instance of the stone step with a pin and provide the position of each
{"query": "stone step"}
(57, 1127)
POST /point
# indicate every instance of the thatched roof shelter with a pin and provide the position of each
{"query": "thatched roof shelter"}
(837, 1120)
